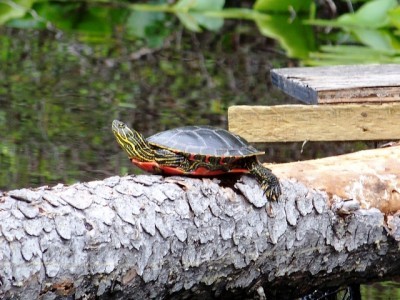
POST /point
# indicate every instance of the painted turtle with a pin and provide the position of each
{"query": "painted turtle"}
(197, 151)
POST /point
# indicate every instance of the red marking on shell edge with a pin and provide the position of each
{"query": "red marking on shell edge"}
(172, 170)
(155, 168)
(202, 171)
(151, 167)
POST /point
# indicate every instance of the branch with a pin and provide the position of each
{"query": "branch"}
(140, 237)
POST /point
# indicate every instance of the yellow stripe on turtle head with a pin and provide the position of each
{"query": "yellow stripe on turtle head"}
(132, 142)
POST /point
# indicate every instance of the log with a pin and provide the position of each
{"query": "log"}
(141, 237)
(370, 177)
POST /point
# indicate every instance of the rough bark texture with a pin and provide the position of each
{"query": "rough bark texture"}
(140, 237)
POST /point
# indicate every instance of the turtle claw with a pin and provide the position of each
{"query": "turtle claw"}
(268, 181)
(272, 190)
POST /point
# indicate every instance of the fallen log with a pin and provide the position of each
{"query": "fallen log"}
(372, 177)
(140, 237)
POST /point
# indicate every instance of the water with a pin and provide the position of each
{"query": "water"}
(59, 96)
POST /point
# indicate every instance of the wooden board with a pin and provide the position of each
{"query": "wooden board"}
(340, 84)
(291, 123)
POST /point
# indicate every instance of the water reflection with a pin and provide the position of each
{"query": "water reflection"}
(381, 290)
(58, 97)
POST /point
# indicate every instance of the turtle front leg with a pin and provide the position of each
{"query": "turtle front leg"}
(175, 163)
(268, 181)
(170, 159)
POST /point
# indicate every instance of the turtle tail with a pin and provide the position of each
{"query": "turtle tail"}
(268, 181)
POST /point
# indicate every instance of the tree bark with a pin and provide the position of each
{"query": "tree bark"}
(140, 237)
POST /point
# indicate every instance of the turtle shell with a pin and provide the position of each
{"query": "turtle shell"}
(203, 140)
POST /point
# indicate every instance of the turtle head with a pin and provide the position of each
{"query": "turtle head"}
(134, 144)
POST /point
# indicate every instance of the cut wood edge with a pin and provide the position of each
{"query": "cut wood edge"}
(360, 95)
(371, 177)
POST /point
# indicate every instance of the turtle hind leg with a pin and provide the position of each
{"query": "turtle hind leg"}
(268, 181)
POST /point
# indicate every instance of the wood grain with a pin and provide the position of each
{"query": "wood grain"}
(340, 84)
(295, 123)
(370, 177)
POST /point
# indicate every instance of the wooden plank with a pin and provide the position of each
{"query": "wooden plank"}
(291, 123)
(340, 84)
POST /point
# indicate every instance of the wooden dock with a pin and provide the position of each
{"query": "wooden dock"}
(296, 123)
(357, 103)
(340, 84)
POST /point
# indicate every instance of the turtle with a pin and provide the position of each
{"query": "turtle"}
(195, 151)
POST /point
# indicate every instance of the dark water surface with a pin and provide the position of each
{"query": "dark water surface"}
(58, 97)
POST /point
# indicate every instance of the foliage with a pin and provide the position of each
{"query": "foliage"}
(190, 13)
(282, 5)
(14, 9)
(295, 37)
(99, 21)
(375, 25)
(148, 26)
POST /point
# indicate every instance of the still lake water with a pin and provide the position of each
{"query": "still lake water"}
(59, 95)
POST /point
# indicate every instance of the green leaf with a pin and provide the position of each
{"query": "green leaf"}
(61, 15)
(282, 5)
(91, 22)
(189, 21)
(373, 14)
(192, 14)
(381, 39)
(345, 55)
(138, 22)
(200, 5)
(26, 22)
(297, 39)
(150, 26)
(95, 21)
(13, 9)
(394, 17)
(210, 23)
